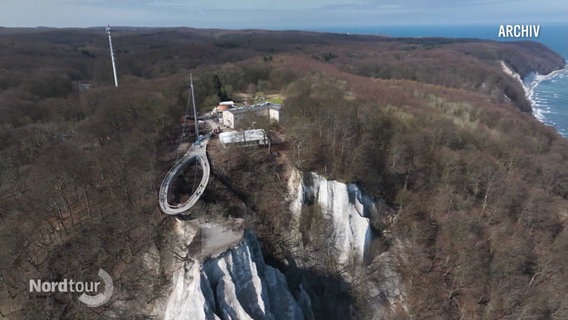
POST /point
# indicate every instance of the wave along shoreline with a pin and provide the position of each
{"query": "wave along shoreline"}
(530, 84)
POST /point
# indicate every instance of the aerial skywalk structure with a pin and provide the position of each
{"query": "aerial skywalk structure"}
(197, 153)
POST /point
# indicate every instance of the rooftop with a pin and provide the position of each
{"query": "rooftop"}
(242, 136)
(256, 107)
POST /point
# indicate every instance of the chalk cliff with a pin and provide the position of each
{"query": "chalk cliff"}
(238, 284)
(345, 210)
(235, 285)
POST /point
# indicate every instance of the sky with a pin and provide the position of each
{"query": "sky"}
(287, 14)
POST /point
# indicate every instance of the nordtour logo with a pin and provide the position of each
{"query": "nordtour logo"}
(83, 287)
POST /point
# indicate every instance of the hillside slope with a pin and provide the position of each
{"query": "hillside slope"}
(468, 192)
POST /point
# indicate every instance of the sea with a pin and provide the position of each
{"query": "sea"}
(548, 93)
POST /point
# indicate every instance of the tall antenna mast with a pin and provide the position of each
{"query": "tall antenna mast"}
(112, 56)
(194, 111)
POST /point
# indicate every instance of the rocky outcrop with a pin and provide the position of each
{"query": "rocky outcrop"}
(235, 285)
(384, 288)
(345, 210)
(238, 284)
(192, 297)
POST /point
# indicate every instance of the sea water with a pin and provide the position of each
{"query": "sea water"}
(549, 97)
(547, 93)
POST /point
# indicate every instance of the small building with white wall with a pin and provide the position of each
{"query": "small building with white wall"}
(252, 137)
(236, 117)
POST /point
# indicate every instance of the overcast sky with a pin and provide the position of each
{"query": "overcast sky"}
(286, 14)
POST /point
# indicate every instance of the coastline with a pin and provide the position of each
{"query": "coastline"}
(529, 85)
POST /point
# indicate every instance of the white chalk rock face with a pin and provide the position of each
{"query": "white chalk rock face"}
(235, 285)
(344, 206)
(191, 297)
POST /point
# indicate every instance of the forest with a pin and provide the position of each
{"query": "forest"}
(476, 187)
